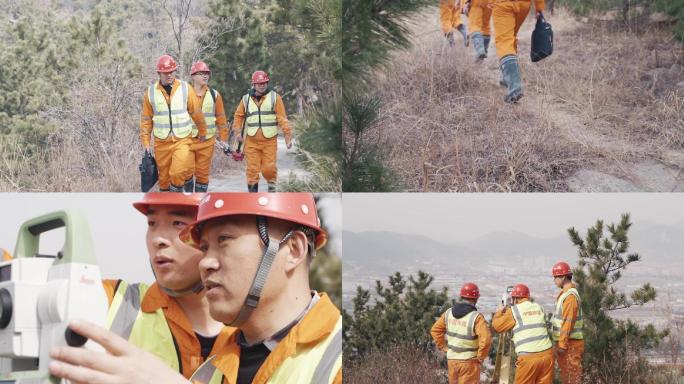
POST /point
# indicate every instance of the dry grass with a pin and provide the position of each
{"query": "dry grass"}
(588, 106)
(399, 364)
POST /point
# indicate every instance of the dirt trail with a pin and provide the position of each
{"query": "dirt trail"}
(229, 176)
(618, 165)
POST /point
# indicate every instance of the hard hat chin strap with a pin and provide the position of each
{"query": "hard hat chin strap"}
(197, 288)
(254, 294)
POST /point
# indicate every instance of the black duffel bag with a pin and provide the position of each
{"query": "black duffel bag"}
(542, 40)
(148, 172)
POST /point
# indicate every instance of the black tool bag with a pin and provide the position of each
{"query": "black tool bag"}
(542, 40)
(148, 172)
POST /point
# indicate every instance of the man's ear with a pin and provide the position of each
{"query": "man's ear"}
(298, 250)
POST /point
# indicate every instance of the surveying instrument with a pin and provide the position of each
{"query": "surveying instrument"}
(504, 349)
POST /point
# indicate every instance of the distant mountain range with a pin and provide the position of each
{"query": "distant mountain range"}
(380, 253)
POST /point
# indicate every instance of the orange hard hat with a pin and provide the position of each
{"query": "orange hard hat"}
(166, 64)
(561, 268)
(167, 198)
(260, 77)
(520, 290)
(6, 255)
(470, 291)
(297, 208)
(199, 66)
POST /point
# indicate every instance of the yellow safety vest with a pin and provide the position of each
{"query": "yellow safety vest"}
(261, 117)
(529, 334)
(460, 336)
(558, 319)
(317, 364)
(149, 331)
(170, 118)
(209, 110)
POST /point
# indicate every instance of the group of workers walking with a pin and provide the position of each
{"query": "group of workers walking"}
(185, 121)
(507, 16)
(463, 333)
(231, 301)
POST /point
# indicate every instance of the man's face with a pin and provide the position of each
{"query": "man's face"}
(167, 78)
(174, 262)
(261, 88)
(232, 249)
(201, 78)
(558, 280)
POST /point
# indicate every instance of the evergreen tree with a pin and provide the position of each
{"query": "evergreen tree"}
(613, 347)
(402, 313)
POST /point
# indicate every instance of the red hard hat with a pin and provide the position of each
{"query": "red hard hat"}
(260, 77)
(199, 66)
(166, 64)
(520, 290)
(167, 198)
(561, 268)
(470, 291)
(297, 208)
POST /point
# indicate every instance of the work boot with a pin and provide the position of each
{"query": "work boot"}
(511, 75)
(478, 44)
(486, 40)
(253, 187)
(271, 186)
(174, 188)
(461, 28)
(450, 38)
(189, 185)
(199, 187)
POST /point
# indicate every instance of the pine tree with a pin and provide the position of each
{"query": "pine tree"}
(402, 313)
(613, 347)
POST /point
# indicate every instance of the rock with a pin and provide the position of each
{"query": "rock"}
(586, 180)
(680, 86)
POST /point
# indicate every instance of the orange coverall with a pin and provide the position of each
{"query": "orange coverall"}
(449, 14)
(260, 152)
(188, 345)
(172, 154)
(467, 371)
(570, 362)
(508, 16)
(532, 368)
(203, 151)
(315, 326)
(479, 17)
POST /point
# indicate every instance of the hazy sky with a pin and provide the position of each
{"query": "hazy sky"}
(461, 217)
(118, 230)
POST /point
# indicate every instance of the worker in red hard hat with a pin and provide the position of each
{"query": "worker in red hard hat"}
(463, 333)
(257, 249)
(170, 111)
(211, 103)
(533, 347)
(568, 323)
(259, 114)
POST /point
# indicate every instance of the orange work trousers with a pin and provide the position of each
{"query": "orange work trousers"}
(174, 161)
(449, 14)
(464, 371)
(570, 363)
(202, 153)
(534, 368)
(260, 154)
(479, 17)
(508, 16)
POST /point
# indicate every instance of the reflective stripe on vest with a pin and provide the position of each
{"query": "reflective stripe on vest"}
(318, 364)
(529, 334)
(460, 336)
(208, 108)
(149, 331)
(165, 120)
(261, 117)
(557, 321)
